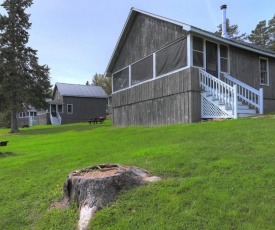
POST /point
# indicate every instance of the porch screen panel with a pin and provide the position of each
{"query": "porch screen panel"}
(172, 57)
(142, 70)
(121, 79)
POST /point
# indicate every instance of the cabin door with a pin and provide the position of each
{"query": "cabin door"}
(212, 58)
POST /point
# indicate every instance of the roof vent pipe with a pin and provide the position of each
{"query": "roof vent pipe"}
(224, 32)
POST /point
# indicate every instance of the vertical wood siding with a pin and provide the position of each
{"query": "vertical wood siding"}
(83, 109)
(244, 65)
(172, 99)
(146, 35)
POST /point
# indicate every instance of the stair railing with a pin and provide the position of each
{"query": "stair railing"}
(51, 118)
(219, 90)
(246, 93)
(59, 117)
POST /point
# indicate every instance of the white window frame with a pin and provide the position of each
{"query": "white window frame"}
(62, 111)
(228, 66)
(267, 71)
(198, 51)
(71, 108)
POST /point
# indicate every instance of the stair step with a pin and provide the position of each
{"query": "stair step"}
(247, 111)
(55, 121)
(243, 106)
(245, 115)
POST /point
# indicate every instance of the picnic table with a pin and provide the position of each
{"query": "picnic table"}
(95, 120)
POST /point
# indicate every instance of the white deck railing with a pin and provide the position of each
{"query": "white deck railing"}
(219, 90)
(246, 93)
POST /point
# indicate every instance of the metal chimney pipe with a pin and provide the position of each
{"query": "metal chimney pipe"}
(224, 31)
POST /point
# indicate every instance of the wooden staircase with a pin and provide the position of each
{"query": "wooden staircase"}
(243, 110)
(228, 99)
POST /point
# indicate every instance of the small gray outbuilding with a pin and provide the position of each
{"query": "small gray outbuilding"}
(77, 103)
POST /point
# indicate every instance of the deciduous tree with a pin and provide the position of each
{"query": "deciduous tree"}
(104, 82)
(22, 79)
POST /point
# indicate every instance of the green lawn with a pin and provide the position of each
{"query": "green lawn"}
(216, 175)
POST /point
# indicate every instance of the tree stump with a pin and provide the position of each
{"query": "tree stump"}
(96, 186)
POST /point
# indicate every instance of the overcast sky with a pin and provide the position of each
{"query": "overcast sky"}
(76, 38)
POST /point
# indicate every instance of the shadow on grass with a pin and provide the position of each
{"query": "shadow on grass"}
(7, 154)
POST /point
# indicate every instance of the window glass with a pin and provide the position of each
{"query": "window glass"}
(224, 58)
(197, 44)
(60, 108)
(197, 51)
(263, 72)
(69, 109)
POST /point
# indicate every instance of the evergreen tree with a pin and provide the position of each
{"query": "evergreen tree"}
(271, 33)
(22, 79)
(104, 82)
(260, 36)
(232, 31)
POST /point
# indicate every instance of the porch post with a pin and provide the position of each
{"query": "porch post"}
(235, 101)
(261, 101)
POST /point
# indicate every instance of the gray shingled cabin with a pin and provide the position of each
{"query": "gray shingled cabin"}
(168, 72)
(77, 103)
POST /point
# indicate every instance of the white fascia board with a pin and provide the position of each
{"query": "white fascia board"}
(227, 41)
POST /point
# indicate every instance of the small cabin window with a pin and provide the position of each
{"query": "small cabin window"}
(224, 58)
(69, 108)
(60, 108)
(264, 76)
(32, 114)
(197, 51)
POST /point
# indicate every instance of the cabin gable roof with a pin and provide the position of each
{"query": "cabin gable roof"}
(73, 90)
(186, 27)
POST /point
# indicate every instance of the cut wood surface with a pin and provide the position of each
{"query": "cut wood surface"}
(96, 186)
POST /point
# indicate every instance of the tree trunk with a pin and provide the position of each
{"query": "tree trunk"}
(14, 124)
(96, 186)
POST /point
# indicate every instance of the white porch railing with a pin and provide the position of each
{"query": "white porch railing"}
(246, 93)
(59, 117)
(51, 118)
(221, 91)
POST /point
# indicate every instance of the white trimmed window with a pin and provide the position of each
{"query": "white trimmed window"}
(264, 75)
(197, 51)
(224, 58)
(60, 108)
(69, 108)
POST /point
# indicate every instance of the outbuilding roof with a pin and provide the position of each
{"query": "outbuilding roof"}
(186, 27)
(74, 90)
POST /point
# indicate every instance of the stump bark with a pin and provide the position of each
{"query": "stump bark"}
(96, 186)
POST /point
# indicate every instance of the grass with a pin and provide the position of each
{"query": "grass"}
(216, 175)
